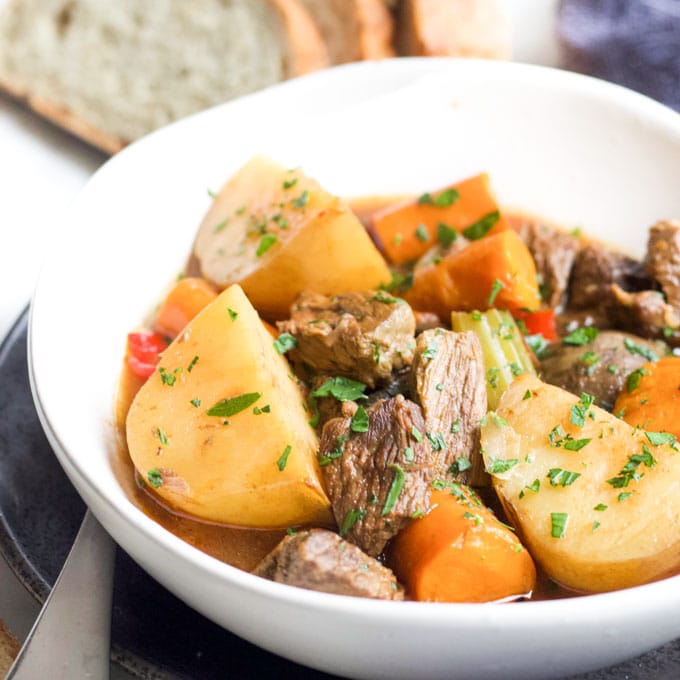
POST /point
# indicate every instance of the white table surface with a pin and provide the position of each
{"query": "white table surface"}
(42, 169)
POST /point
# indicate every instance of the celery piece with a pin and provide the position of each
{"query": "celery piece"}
(505, 355)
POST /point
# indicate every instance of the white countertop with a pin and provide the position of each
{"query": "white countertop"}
(42, 169)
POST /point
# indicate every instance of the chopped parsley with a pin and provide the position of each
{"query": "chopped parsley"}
(155, 477)
(195, 402)
(395, 489)
(283, 458)
(290, 183)
(436, 440)
(482, 227)
(416, 434)
(192, 363)
(302, 200)
(600, 507)
(343, 389)
(421, 233)
(629, 472)
(431, 351)
(581, 336)
(409, 456)
(162, 437)
(351, 518)
(359, 421)
(660, 438)
(495, 289)
(460, 465)
(527, 395)
(444, 199)
(232, 314)
(230, 407)
(446, 235)
(284, 343)
(560, 477)
(633, 379)
(640, 350)
(266, 242)
(265, 409)
(579, 411)
(558, 524)
(499, 466)
(168, 379)
(538, 345)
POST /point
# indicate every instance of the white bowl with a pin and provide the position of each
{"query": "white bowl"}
(561, 145)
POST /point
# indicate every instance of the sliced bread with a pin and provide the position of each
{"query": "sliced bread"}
(454, 28)
(112, 71)
(353, 29)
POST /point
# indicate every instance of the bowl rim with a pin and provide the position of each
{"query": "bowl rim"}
(424, 614)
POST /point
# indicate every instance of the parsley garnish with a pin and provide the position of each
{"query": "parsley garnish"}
(232, 314)
(284, 343)
(446, 235)
(558, 524)
(359, 421)
(645, 352)
(482, 226)
(560, 477)
(495, 289)
(422, 234)
(633, 379)
(538, 345)
(289, 183)
(581, 336)
(416, 434)
(395, 489)
(155, 477)
(351, 518)
(343, 389)
(230, 407)
(580, 411)
(436, 440)
(444, 199)
(499, 465)
(283, 458)
(192, 363)
(660, 438)
(162, 437)
(302, 200)
(266, 242)
(460, 465)
(431, 351)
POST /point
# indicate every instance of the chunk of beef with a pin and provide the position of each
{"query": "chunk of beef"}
(321, 560)
(595, 269)
(663, 259)
(363, 336)
(553, 252)
(450, 383)
(646, 313)
(600, 367)
(379, 479)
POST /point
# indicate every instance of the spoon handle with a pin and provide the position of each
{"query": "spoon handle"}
(71, 636)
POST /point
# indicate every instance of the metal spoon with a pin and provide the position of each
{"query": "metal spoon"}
(71, 636)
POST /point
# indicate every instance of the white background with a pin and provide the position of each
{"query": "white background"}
(41, 171)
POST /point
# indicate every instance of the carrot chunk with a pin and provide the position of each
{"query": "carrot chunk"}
(460, 552)
(407, 230)
(186, 299)
(494, 271)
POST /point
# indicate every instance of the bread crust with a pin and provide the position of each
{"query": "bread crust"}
(453, 28)
(308, 49)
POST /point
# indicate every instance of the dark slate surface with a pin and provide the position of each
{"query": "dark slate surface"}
(155, 635)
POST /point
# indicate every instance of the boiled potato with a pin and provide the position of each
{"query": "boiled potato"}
(596, 501)
(220, 430)
(276, 233)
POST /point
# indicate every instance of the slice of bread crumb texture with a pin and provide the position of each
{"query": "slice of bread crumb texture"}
(110, 72)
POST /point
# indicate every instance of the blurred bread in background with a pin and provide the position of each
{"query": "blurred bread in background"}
(353, 29)
(9, 648)
(110, 72)
(453, 28)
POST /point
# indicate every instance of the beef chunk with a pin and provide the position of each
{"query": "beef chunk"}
(450, 382)
(377, 480)
(321, 560)
(663, 259)
(600, 367)
(553, 252)
(646, 313)
(364, 336)
(595, 269)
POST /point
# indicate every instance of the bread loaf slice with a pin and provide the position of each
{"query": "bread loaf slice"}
(453, 28)
(353, 29)
(112, 71)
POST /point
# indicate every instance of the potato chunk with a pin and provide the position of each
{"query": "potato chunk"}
(276, 232)
(220, 431)
(596, 501)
